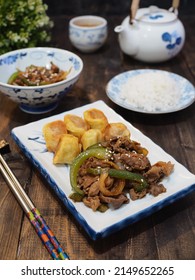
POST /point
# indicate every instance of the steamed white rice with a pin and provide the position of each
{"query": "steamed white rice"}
(153, 91)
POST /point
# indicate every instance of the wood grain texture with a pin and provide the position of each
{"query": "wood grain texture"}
(167, 234)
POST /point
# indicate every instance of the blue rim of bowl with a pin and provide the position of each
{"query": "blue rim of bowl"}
(72, 55)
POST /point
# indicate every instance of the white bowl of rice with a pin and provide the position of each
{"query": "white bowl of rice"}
(151, 91)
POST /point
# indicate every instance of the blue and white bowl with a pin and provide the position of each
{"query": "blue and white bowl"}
(38, 99)
(88, 33)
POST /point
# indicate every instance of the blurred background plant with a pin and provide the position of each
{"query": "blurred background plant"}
(23, 23)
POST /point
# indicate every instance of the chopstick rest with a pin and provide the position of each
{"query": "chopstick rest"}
(44, 232)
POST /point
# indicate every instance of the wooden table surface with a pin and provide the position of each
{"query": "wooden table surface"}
(168, 233)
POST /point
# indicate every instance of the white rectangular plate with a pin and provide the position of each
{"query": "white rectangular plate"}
(180, 183)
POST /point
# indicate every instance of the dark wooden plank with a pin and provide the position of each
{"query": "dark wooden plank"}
(10, 220)
(167, 234)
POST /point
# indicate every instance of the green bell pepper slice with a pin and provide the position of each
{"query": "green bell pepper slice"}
(13, 77)
(98, 152)
(139, 182)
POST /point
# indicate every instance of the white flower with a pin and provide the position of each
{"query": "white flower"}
(23, 23)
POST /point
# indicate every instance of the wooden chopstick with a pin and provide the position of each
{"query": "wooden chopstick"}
(44, 232)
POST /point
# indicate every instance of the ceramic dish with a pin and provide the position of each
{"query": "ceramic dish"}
(38, 99)
(98, 225)
(114, 91)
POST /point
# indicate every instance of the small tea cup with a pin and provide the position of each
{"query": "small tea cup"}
(88, 33)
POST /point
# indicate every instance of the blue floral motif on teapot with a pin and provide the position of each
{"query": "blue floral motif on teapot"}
(172, 40)
(157, 16)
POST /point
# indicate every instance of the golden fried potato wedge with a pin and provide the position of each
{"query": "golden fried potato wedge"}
(75, 125)
(91, 137)
(68, 148)
(116, 130)
(52, 132)
(95, 118)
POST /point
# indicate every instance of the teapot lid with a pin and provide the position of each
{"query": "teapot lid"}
(154, 14)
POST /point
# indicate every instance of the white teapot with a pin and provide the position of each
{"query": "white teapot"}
(155, 35)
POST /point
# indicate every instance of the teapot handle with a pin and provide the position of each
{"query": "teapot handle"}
(175, 4)
(174, 8)
(133, 10)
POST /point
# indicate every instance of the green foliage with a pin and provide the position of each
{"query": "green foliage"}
(23, 23)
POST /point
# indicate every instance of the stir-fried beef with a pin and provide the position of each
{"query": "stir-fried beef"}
(92, 162)
(116, 201)
(92, 202)
(38, 75)
(137, 195)
(86, 181)
(123, 144)
(158, 171)
(132, 161)
(94, 189)
(127, 155)
(156, 189)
